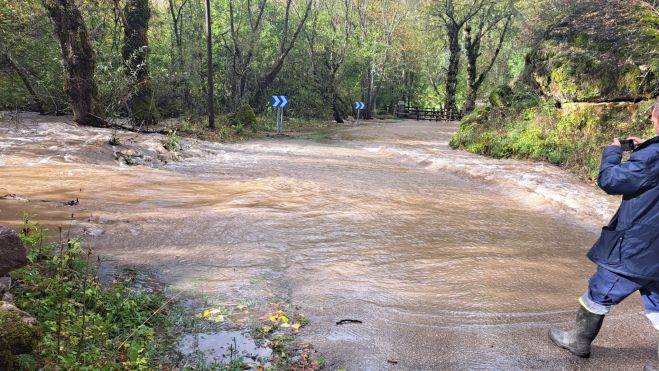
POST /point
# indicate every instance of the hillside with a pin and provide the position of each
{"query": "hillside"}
(592, 77)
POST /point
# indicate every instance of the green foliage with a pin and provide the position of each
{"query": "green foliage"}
(573, 136)
(84, 324)
(243, 120)
(172, 141)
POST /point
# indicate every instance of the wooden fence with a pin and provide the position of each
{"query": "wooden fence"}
(432, 114)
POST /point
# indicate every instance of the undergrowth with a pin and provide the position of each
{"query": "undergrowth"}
(520, 124)
(84, 324)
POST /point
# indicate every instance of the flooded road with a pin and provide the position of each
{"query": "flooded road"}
(450, 260)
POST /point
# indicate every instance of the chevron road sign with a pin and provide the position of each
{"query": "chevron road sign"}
(279, 101)
(359, 106)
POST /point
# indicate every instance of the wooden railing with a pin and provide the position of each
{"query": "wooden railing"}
(433, 114)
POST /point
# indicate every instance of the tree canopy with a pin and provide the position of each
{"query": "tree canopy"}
(150, 57)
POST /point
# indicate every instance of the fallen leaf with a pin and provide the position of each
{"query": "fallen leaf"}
(267, 328)
(297, 325)
(206, 314)
(285, 325)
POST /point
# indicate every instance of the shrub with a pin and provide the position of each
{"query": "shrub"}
(84, 324)
(243, 119)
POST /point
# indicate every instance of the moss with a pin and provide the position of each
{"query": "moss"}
(599, 53)
(16, 338)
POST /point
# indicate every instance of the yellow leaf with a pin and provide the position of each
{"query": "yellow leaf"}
(206, 314)
(284, 318)
(273, 319)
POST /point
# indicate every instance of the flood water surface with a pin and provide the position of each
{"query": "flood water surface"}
(450, 260)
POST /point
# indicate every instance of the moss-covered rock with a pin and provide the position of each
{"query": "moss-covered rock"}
(19, 337)
(592, 78)
(604, 50)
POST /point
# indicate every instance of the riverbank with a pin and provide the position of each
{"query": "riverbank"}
(520, 124)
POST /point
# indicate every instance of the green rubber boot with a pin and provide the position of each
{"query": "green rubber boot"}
(578, 340)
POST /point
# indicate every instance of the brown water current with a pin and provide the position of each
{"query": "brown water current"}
(451, 260)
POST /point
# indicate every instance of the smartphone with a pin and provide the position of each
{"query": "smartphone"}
(627, 145)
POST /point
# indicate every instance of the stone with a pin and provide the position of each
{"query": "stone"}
(8, 297)
(5, 284)
(12, 251)
(19, 335)
(602, 51)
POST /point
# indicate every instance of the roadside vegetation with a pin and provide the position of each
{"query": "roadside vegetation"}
(119, 325)
(84, 323)
(520, 124)
(588, 80)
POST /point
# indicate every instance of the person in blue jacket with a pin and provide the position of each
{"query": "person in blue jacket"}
(627, 251)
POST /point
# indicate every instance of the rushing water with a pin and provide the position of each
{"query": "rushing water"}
(452, 261)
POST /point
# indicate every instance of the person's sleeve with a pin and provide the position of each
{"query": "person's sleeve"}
(625, 178)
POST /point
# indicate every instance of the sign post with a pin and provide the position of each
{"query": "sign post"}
(281, 102)
(359, 106)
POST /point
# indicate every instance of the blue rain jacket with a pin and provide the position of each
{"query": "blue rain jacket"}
(629, 245)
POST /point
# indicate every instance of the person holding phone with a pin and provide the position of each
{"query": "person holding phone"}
(627, 251)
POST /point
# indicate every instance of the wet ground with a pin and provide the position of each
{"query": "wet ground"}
(450, 260)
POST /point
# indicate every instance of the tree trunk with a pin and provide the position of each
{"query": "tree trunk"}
(25, 77)
(472, 57)
(369, 92)
(209, 52)
(472, 48)
(453, 69)
(135, 52)
(79, 61)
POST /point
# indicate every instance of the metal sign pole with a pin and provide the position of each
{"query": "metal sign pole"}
(358, 110)
(278, 123)
(281, 120)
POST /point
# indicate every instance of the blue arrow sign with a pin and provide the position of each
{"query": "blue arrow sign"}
(279, 101)
(359, 105)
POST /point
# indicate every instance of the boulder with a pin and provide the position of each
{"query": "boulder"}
(12, 251)
(602, 51)
(19, 336)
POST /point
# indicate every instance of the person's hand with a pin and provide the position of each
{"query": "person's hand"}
(616, 142)
(637, 141)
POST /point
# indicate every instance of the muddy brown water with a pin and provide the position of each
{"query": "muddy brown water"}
(450, 260)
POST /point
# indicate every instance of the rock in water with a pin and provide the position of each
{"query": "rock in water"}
(12, 251)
